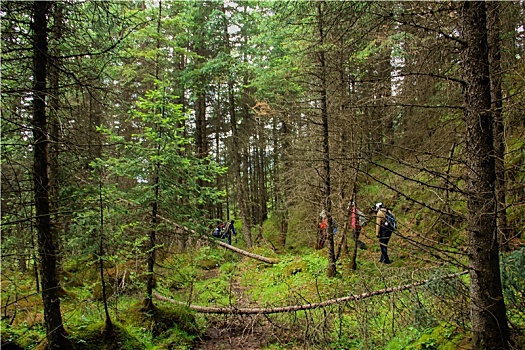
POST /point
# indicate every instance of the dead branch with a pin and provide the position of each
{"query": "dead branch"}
(273, 310)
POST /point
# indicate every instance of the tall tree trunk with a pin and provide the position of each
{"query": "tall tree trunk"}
(239, 146)
(200, 125)
(246, 196)
(237, 173)
(262, 213)
(47, 240)
(488, 313)
(385, 93)
(243, 194)
(282, 184)
(240, 159)
(108, 329)
(331, 269)
(493, 29)
(35, 260)
(150, 283)
(217, 126)
(54, 129)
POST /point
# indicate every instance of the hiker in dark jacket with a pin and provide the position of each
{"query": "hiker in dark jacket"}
(382, 232)
(228, 231)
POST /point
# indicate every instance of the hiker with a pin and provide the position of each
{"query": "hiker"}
(218, 230)
(322, 227)
(358, 220)
(229, 229)
(385, 225)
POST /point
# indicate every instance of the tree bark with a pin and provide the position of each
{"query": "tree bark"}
(493, 29)
(241, 190)
(54, 128)
(47, 240)
(150, 283)
(331, 269)
(488, 312)
(239, 157)
(109, 324)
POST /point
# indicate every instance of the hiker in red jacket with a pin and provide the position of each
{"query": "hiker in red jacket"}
(358, 220)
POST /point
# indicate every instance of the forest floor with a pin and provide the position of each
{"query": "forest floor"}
(235, 332)
(218, 339)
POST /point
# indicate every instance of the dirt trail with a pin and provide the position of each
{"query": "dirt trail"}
(216, 339)
(233, 331)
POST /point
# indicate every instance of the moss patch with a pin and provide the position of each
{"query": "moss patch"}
(95, 337)
(442, 337)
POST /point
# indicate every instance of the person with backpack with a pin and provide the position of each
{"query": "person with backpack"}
(357, 221)
(385, 226)
(322, 228)
(229, 229)
(218, 230)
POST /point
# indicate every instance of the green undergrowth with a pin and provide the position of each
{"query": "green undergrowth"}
(94, 336)
(442, 337)
(432, 316)
(413, 319)
(165, 327)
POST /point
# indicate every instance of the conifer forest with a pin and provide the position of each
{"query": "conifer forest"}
(248, 174)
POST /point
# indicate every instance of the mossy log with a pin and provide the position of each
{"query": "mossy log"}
(273, 310)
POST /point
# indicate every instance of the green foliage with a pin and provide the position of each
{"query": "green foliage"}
(167, 326)
(268, 61)
(208, 258)
(443, 288)
(271, 229)
(293, 280)
(158, 163)
(179, 274)
(513, 281)
(423, 318)
(24, 336)
(163, 318)
(299, 236)
(404, 340)
(346, 333)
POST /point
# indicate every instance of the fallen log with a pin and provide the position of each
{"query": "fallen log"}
(221, 243)
(216, 241)
(273, 310)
